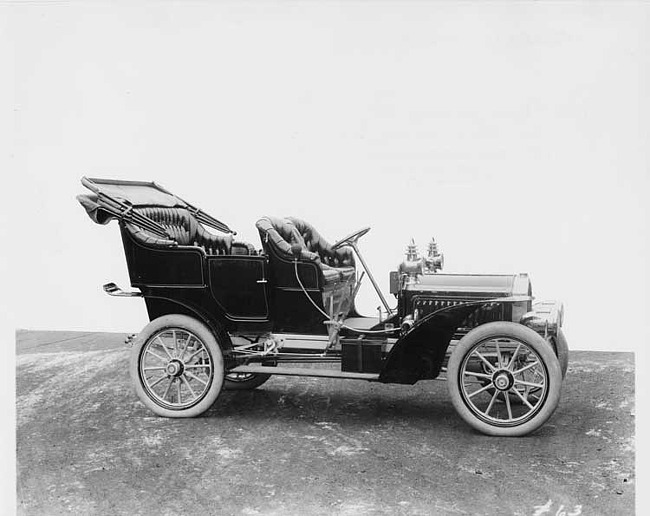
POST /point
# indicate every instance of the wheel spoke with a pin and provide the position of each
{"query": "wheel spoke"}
(204, 382)
(178, 390)
(485, 388)
(171, 381)
(523, 399)
(489, 407)
(175, 343)
(194, 354)
(151, 385)
(188, 386)
(478, 375)
(512, 359)
(184, 348)
(499, 357)
(487, 362)
(163, 346)
(532, 364)
(155, 368)
(156, 355)
(529, 384)
(507, 398)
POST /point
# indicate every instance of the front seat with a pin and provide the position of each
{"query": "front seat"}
(281, 236)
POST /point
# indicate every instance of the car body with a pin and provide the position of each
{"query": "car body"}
(227, 315)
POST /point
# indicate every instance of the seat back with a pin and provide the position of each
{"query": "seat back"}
(183, 229)
(315, 243)
(282, 236)
(331, 271)
(284, 233)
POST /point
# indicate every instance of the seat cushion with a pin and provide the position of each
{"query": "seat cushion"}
(346, 273)
(330, 275)
(334, 275)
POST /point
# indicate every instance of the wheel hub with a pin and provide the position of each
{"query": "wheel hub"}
(174, 368)
(503, 380)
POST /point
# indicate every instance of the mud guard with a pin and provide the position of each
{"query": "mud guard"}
(419, 354)
(160, 305)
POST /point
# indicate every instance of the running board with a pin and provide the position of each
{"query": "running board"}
(304, 371)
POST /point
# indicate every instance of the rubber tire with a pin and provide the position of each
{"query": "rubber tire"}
(562, 351)
(208, 339)
(534, 341)
(255, 381)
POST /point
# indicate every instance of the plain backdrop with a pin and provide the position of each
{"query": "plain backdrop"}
(516, 133)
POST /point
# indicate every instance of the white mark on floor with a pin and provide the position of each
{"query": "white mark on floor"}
(595, 432)
(561, 510)
(346, 451)
(228, 453)
(152, 440)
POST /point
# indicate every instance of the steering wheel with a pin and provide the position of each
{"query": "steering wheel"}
(351, 238)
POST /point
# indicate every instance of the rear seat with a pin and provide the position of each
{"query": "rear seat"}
(184, 229)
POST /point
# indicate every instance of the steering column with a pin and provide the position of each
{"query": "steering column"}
(351, 240)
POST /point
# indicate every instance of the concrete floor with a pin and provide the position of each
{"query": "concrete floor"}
(86, 445)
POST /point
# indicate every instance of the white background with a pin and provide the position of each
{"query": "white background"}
(515, 133)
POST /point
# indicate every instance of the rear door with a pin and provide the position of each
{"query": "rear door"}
(238, 284)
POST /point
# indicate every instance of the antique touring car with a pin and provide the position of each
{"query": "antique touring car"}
(225, 315)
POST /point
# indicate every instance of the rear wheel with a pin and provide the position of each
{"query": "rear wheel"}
(244, 381)
(497, 362)
(177, 366)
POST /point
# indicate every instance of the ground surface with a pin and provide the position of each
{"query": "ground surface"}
(86, 445)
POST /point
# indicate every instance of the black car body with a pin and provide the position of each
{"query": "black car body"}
(228, 314)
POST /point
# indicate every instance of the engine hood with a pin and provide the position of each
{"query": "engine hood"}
(480, 286)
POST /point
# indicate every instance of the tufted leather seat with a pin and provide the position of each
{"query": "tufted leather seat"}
(337, 265)
(184, 229)
(333, 261)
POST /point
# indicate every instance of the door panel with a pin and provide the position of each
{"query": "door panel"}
(238, 284)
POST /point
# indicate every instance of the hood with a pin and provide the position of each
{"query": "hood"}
(483, 286)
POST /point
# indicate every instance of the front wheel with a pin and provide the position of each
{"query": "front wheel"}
(496, 362)
(177, 366)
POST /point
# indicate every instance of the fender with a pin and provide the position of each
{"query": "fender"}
(159, 305)
(419, 354)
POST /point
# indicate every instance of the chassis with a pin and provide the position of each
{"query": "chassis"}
(225, 315)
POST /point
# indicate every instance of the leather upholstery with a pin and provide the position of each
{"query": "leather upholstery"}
(285, 233)
(341, 257)
(184, 229)
(282, 234)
